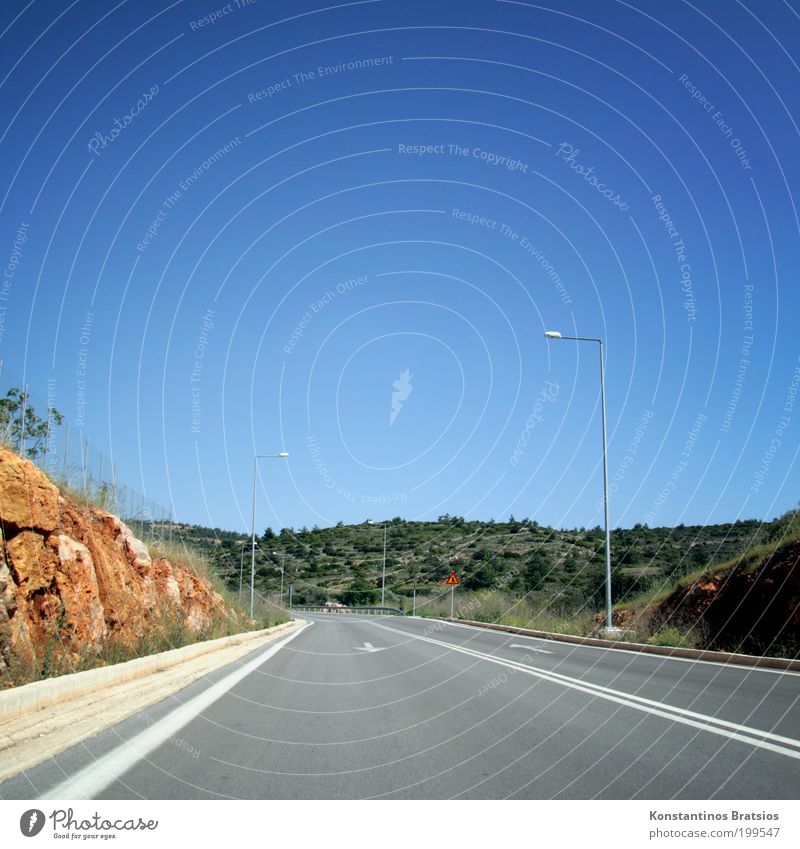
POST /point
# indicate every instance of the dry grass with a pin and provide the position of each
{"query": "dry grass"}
(169, 628)
(508, 609)
(266, 612)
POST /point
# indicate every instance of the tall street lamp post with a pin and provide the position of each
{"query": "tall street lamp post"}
(383, 578)
(253, 548)
(553, 334)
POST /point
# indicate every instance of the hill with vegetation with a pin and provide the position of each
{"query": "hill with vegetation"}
(563, 569)
(733, 586)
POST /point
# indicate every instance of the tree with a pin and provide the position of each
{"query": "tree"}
(536, 570)
(628, 557)
(484, 577)
(359, 594)
(19, 423)
(268, 534)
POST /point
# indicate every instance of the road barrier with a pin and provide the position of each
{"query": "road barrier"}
(645, 648)
(321, 608)
(28, 698)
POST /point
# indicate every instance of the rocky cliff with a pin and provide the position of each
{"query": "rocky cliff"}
(74, 579)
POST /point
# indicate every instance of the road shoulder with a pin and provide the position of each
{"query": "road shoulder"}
(30, 739)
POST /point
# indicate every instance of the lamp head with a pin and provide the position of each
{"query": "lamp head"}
(552, 334)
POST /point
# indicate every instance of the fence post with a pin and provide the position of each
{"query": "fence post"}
(22, 422)
(47, 436)
(85, 461)
(66, 450)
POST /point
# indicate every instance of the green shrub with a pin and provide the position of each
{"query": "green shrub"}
(673, 637)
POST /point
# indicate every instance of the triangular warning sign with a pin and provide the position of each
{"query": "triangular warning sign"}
(452, 580)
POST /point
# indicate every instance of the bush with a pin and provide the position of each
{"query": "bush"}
(673, 637)
(359, 594)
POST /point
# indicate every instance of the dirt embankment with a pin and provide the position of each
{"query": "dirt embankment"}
(753, 607)
(72, 579)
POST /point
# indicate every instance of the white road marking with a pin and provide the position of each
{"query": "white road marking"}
(529, 648)
(728, 664)
(94, 778)
(734, 731)
(368, 647)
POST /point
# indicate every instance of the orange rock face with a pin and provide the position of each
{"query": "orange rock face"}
(27, 497)
(75, 578)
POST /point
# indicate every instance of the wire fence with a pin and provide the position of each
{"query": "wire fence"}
(31, 425)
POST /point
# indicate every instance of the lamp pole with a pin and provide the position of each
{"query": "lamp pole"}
(553, 334)
(256, 458)
(383, 578)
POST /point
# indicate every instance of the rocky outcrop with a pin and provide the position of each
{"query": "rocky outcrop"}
(72, 579)
(753, 607)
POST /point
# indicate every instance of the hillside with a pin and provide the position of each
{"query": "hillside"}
(521, 557)
(749, 604)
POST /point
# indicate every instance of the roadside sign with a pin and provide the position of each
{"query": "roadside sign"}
(452, 582)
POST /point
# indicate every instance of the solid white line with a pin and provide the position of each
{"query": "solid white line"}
(94, 778)
(728, 664)
(722, 727)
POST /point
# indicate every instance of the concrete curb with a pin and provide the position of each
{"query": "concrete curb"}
(28, 698)
(645, 648)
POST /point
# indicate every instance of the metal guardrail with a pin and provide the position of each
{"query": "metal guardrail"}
(320, 608)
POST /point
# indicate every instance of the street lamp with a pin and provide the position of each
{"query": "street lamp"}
(253, 549)
(554, 334)
(383, 578)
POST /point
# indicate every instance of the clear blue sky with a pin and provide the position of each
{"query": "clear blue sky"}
(461, 178)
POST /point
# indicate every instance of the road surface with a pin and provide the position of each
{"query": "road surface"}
(389, 707)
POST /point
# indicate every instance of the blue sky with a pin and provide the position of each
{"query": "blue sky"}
(292, 212)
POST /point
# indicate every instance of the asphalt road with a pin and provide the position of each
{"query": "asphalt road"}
(389, 707)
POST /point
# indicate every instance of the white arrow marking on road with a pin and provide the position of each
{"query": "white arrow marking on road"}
(368, 647)
(529, 648)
